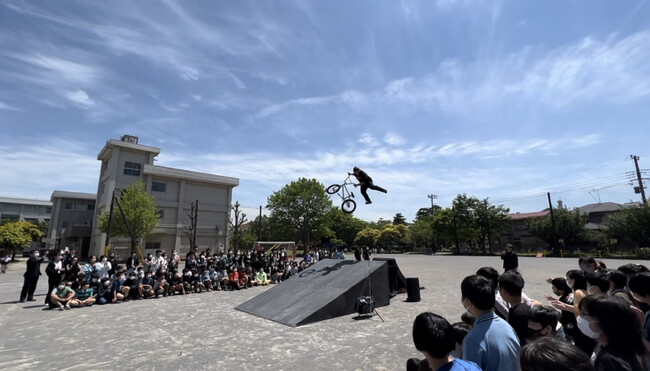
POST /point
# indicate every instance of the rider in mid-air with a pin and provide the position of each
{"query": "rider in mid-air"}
(365, 182)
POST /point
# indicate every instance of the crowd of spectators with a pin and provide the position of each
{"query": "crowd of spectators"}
(596, 319)
(103, 280)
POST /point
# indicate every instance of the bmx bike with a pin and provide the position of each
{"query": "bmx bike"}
(348, 205)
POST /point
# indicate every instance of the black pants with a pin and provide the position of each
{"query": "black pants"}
(370, 185)
(51, 283)
(29, 286)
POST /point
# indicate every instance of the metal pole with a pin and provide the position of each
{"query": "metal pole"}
(638, 176)
(453, 211)
(194, 221)
(554, 233)
(259, 227)
(433, 229)
(110, 222)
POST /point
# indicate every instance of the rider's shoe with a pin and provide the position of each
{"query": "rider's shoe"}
(368, 202)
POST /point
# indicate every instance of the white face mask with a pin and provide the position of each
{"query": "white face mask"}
(591, 290)
(61, 287)
(583, 325)
(37, 255)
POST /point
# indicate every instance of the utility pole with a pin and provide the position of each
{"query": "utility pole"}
(453, 213)
(638, 177)
(433, 229)
(554, 233)
(259, 227)
(110, 222)
(196, 216)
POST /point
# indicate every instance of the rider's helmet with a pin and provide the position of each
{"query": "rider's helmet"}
(356, 168)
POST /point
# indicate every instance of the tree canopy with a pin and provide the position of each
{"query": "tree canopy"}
(302, 205)
(140, 212)
(569, 225)
(632, 223)
(18, 235)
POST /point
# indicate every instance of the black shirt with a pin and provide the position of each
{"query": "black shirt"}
(518, 319)
(510, 260)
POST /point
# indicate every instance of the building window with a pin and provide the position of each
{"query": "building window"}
(131, 168)
(161, 214)
(158, 187)
(152, 245)
(76, 206)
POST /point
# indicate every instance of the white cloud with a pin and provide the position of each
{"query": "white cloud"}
(52, 164)
(57, 69)
(80, 98)
(7, 107)
(394, 139)
(613, 71)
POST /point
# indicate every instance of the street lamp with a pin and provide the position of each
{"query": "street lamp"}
(433, 230)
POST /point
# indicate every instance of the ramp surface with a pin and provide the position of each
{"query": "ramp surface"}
(325, 290)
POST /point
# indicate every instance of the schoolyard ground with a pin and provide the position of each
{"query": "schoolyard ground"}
(204, 331)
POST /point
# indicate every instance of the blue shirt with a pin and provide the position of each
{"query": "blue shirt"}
(492, 344)
(460, 365)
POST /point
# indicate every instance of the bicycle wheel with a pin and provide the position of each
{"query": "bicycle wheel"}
(348, 206)
(333, 189)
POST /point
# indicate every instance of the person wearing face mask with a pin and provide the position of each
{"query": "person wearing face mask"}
(135, 289)
(492, 344)
(433, 336)
(577, 281)
(147, 285)
(175, 284)
(564, 294)
(597, 283)
(54, 271)
(617, 329)
(31, 275)
(61, 296)
(119, 290)
(639, 286)
(132, 262)
(105, 292)
(84, 296)
(103, 267)
(542, 321)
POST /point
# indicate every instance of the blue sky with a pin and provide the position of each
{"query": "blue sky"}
(498, 99)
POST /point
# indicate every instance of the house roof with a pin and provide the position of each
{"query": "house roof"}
(169, 172)
(523, 216)
(600, 207)
(73, 195)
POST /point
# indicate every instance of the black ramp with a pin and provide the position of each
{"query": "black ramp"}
(325, 290)
(396, 280)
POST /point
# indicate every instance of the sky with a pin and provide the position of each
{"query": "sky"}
(505, 100)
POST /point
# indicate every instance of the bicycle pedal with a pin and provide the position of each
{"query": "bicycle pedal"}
(352, 194)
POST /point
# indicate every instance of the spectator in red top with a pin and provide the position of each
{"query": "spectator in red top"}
(234, 279)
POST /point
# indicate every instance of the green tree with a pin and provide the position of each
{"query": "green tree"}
(427, 211)
(389, 237)
(140, 213)
(421, 231)
(367, 237)
(467, 223)
(15, 236)
(570, 226)
(491, 220)
(443, 227)
(631, 223)
(378, 225)
(343, 226)
(399, 219)
(302, 205)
